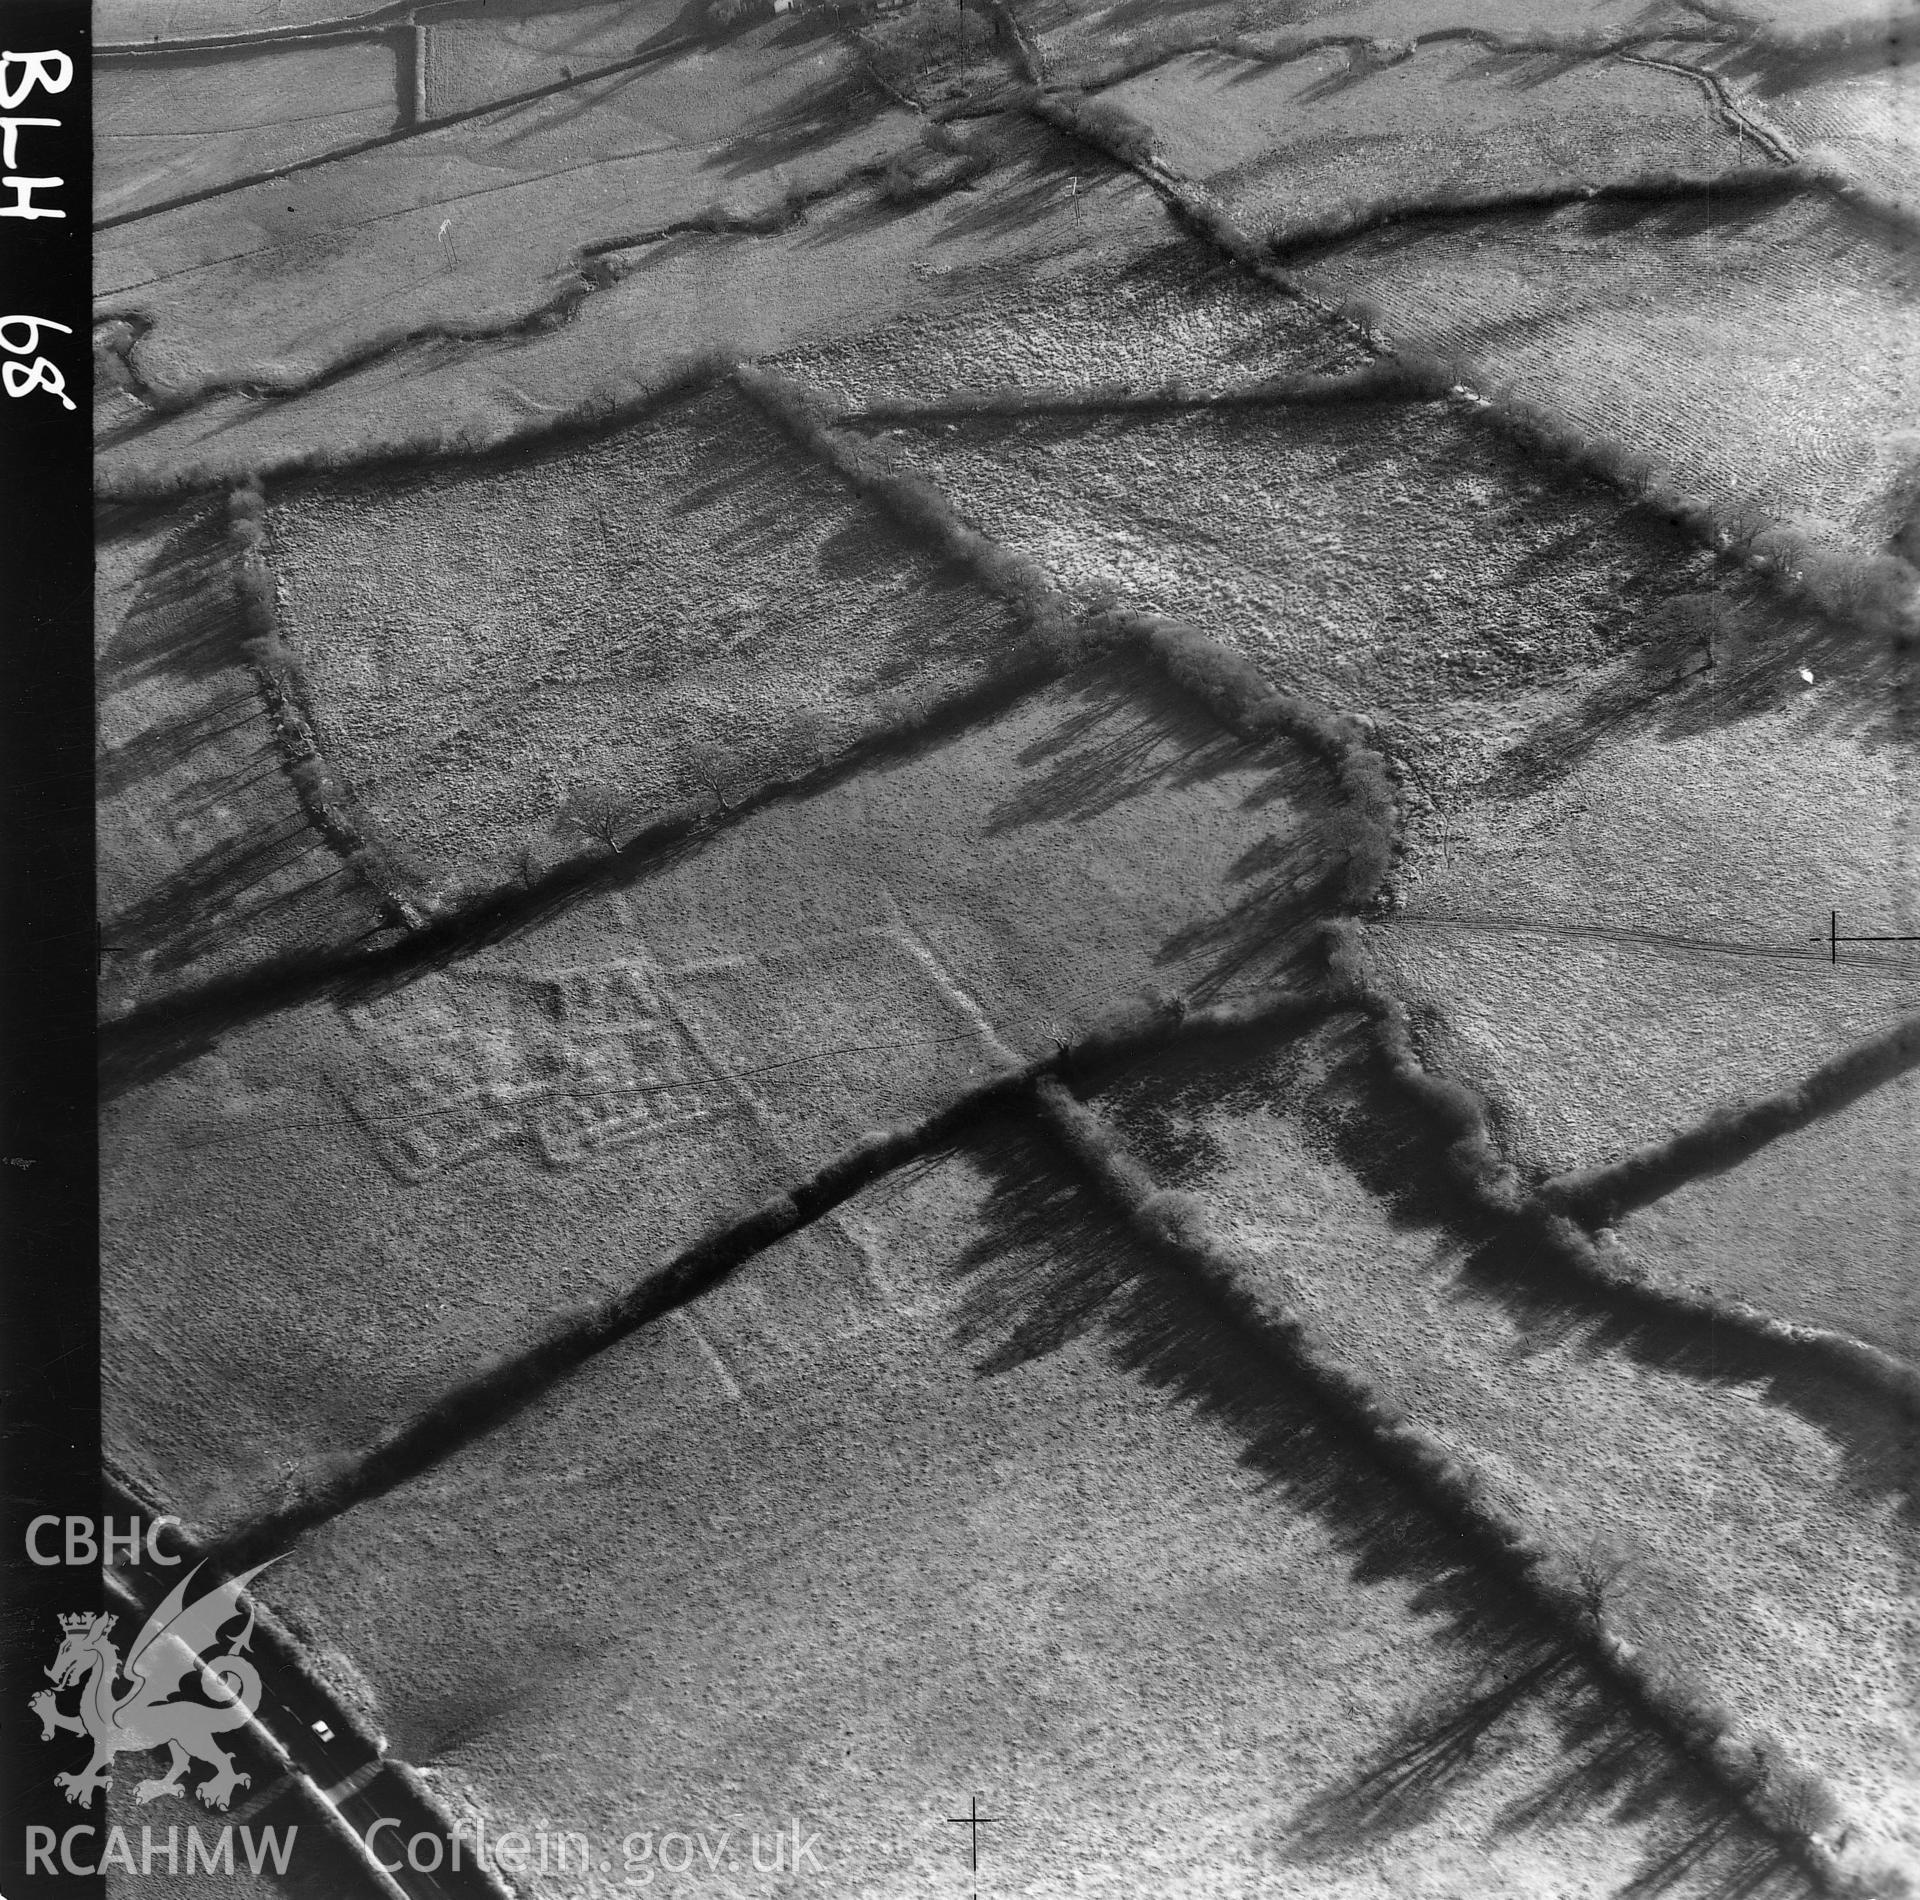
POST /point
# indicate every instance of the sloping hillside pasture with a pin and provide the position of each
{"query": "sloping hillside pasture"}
(1133, 324)
(1385, 557)
(1612, 959)
(206, 860)
(165, 128)
(1816, 1228)
(546, 1119)
(1042, 1524)
(473, 226)
(961, 1487)
(1587, 1420)
(1039, 217)
(1763, 355)
(654, 613)
(473, 56)
(1286, 146)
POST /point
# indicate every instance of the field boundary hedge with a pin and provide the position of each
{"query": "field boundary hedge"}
(1408, 376)
(1359, 217)
(1876, 593)
(1733, 1133)
(324, 798)
(1552, 1212)
(328, 1484)
(604, 409)
(1755, 1774)
(1054, 637)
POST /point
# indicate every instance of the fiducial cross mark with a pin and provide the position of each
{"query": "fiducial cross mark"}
(974, 1820)
(1833, 939)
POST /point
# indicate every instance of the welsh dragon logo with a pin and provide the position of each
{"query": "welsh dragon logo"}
(148, 1712)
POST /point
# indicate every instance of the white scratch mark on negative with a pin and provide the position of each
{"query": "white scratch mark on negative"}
(698, 1335)
(950, 986)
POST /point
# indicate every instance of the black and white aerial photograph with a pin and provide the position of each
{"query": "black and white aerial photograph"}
(1008, 951)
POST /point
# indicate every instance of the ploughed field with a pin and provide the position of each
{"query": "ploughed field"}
(1019, 906)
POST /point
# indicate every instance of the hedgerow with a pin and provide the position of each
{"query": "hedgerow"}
(476, 438)
(1044, 612)
(1365, 822)
(323, 798)
(1560, 1215)
(1355, 217)
(1729, 1135)
(1409, 376)
(1879, 594)
(500, 1386)
(1788, 1801)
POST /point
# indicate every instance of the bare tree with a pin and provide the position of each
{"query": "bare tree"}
(808, 735)
(707, 762)
(601, 813)
(1598, 1564)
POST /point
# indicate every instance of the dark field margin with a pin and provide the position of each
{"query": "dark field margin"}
(334, 1786)
(49, 1207)
(1730, 1135)
(1777, 1795)
(520, 1376)
(1748, 184)
(1407, 377)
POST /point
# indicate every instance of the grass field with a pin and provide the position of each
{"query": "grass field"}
(597, 641)
(644, 1250)
(1286, 145)
(164, 129)
(132, 22)
(471, 59)
(1381, 556)
(1817, 1228)
(1761, 355)
(1588, 1419)
(469, 226)
(1611, 960)
(207, 861)
(1040, 1524)
(724, 1022)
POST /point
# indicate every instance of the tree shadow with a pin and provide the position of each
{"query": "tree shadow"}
(1715, 660)
(176, 657)
(1334, 1086)
(1772, 72)
(1051, 1265)
(1129, 734)
(184, 620)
